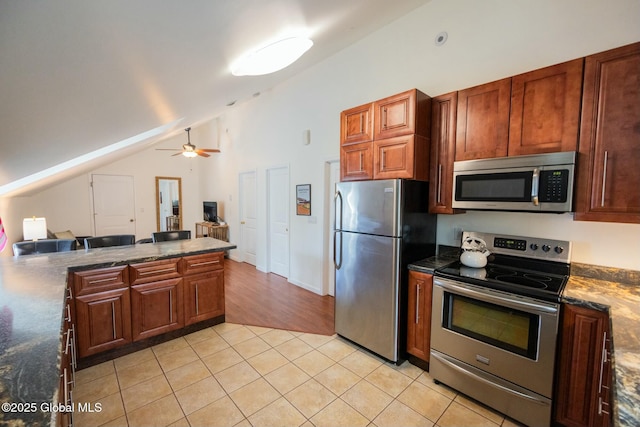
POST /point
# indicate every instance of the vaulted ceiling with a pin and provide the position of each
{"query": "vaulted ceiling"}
(82, 79)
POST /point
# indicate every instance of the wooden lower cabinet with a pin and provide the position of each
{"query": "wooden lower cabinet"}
(103, 321)
(156, 308)
(204, 296)
(584, 372)
(419, 314)
(116, 306)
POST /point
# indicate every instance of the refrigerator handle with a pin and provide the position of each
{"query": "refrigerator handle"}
(335, 262)
(337, 196)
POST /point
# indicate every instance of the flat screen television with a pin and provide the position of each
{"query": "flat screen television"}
(210, 210)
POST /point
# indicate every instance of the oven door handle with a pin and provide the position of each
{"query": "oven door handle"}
(452, 364)
(494, 298)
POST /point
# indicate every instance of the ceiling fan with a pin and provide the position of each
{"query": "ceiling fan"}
(190, 150)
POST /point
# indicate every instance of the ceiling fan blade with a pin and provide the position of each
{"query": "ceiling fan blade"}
(201, 153)
(168, 149)
(209, 150)
(177, 154)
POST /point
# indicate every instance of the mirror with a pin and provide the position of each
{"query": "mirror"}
(168, 203)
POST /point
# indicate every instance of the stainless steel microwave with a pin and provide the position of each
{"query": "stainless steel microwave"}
(534, 183)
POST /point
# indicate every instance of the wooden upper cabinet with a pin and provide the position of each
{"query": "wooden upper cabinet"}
(609, 151)
(356, 125)
(403, 114)
(443, 137)
(397, 158)
(483, 121)
(356, 162)
(545, 109)
(386, 139)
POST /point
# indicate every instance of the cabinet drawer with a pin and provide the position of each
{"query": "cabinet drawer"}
(203, 263)
(145, 272)
(103, 279)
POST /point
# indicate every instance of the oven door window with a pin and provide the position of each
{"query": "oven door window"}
(494, 187)
(509, 329)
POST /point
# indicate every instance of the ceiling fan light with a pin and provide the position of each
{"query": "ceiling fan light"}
(273, 57)
(189, 153)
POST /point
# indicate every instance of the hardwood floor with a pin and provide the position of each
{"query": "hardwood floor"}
(266, 299)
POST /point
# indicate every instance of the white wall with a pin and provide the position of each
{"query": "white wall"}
(488, 40)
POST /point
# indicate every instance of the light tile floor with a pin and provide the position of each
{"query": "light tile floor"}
(235, 375)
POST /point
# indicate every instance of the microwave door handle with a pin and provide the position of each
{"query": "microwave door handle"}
(535, 184)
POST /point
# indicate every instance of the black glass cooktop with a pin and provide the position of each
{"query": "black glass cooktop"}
(538, 279)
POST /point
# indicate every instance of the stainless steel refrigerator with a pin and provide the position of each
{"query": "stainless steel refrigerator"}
(380, 227)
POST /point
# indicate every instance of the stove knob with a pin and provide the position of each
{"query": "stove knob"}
(559, 249)
(546, 248)
(534, 246)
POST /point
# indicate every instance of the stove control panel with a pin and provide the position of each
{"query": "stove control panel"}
(527, 247)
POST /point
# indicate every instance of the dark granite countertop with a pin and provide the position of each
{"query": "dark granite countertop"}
(32, 290)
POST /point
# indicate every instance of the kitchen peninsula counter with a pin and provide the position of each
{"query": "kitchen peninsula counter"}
(32, 297)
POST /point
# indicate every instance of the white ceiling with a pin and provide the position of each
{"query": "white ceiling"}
(77, 76)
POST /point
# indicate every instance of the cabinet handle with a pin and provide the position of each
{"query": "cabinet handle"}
(360, 170)
(170, 305)
(602, 362)
(164, 270)
(200, 264)
(113, 319)
(439, 182)
(361, 123)
(418, 305)
(197, 303)
(382, 167)
(68, 318)
(108, 279)
(384, 118)
(604, 176)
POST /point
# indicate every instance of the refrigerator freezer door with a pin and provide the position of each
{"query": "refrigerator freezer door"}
(370, 207)
(367, 286)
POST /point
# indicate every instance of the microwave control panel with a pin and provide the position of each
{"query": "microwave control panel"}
(554, 185)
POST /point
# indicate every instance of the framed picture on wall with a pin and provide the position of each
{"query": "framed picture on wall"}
(303, 199)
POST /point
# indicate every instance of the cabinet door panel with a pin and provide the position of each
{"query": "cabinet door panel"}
(356, 162)
(395, 115)
(608, 172)
(483, 121)
(156, 308)
(103, 321)
(443, 137)
(545, 109)
(102, 279)
(356, 125)
(204, 295)
(419, 314)
(203, 263)
(580, 361)
(393, 158)
(152, 271)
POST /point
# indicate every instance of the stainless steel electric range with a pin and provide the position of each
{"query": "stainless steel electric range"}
(494, 329)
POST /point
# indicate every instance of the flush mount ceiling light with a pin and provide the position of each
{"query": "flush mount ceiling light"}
(272, 58)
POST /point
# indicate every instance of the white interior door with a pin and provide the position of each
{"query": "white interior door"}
(248, 216)
(113, 204)
(278, 200)
(333, 178)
